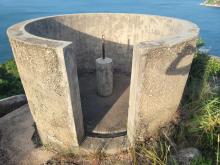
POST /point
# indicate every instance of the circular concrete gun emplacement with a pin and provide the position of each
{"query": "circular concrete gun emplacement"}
(56, 58)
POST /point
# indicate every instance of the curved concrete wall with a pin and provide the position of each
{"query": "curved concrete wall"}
(121, 31)
(157, 51)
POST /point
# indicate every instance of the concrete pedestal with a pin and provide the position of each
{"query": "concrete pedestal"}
(104, 76)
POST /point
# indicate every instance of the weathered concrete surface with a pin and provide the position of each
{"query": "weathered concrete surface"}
(121, 31)
(45, 69)
(105, 145)
(11, 103)
(49, 52)
(159, 74)
(104, 76)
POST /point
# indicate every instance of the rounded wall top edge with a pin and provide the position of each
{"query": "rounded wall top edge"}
(165, 42)
(18, 32)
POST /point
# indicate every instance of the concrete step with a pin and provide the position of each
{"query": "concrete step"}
(104, 145)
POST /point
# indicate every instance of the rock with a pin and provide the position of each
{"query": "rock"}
(186, 155)
(11, 103)
(3, 157)
(17, 147)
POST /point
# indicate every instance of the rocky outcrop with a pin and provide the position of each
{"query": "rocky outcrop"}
(212, 3)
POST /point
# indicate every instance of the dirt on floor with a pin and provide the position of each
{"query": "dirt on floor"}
(96, 159)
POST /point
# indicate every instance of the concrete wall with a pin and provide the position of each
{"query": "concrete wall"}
(159, 74)
(45, 69)
(157, 51)
(121, 31)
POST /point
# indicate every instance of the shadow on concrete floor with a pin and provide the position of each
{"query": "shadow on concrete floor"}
(105, 115)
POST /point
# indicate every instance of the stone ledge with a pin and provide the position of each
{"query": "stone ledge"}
(11, 103)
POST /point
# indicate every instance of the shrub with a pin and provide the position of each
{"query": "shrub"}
(10, 83)
(201, 161)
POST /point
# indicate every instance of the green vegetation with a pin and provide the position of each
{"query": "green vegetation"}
(213, 2)
(202, 105)
(199, 124)
(200, 42)
(156, 152)
(10, 83)
(201, 161)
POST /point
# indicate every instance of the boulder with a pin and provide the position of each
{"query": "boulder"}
(186, 155)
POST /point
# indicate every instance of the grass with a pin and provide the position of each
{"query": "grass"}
(203, 125)
(155, 153)
(200, 113)
(201, 161)
(10, 83)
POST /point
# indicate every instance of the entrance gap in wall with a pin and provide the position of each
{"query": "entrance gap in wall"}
(105, 116)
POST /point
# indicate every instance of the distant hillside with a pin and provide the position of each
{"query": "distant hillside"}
(213, 2)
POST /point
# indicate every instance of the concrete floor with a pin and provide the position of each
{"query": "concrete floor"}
(105, 116)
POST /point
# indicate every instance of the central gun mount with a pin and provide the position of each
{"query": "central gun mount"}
(103, 47)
